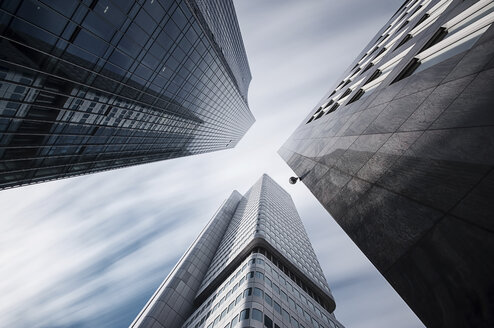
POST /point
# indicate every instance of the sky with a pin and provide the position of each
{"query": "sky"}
(90, 251)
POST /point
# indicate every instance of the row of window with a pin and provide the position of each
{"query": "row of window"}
(269, 282)
(479, 13)
(260, 293)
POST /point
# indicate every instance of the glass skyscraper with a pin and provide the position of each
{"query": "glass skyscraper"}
(251, 266)
(93, 85)
(400, 151)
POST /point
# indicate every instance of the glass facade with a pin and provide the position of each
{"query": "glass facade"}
(95, 85)
(251, 279)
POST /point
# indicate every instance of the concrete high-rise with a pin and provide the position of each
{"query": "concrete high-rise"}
(400, 151)
(87, 86)
(252, 265)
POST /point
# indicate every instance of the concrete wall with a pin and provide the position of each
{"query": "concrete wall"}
(408, 173)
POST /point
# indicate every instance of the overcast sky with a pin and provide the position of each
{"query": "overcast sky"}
(89, 251)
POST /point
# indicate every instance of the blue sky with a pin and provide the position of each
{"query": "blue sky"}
(89, 251)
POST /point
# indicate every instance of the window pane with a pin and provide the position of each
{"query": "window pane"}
(277, 307)
(268, 322)
(286, 316)
(245, 314)
(234, 320)
(257, 315)
(268, 299)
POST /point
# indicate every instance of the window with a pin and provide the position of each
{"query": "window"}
(257, 315)
(232, 304)
(268, 281)
(286, 315)
(407, 38)
(333, 108)
(294, 323)
(346, 93)
(277, 307)
(244, 314)
(234, 321)
(284, 296)
(247, 292)
(237, 300)
(276, 288)
(435, 39)
(291, 302)
(268, 299)
(259, 275)
(258, 292)
(268, 322)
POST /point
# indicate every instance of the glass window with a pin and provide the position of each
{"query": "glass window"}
(250, 275)
(291, 302)
(286, 315)
(90, 43)
(284, 296)
(277, 307)
(42, 17)
(237, 300)
(268, 281)
(245, 314)
(232, 304)
(268, 299)
(98, 26)
(247, 292)
(258, 292)
(276, 288)
(294, 323)
(259, 275)
(268, 322)
(257, 315)
(234, 320)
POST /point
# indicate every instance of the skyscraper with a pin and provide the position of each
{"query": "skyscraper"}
(87, 86)
(252, 265)
(400, 152)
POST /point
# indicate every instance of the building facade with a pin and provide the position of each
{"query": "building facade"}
(252, 266)
(87, 86)
(401, 153)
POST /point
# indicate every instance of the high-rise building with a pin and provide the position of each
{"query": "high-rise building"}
(252, 265)
(87, 86)
(400, 152)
